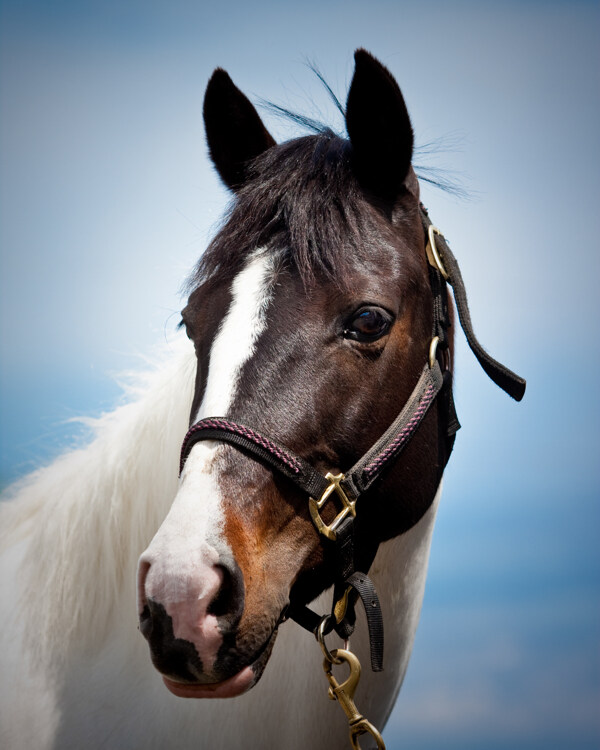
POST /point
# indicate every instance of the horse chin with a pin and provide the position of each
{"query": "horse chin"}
(233, 686)
(230, 688)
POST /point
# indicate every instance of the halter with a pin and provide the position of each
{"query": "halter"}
(343, 490)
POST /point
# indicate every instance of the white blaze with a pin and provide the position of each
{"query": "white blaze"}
(180, 561)
(237, 336)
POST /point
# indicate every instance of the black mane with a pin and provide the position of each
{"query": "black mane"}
(303, 198)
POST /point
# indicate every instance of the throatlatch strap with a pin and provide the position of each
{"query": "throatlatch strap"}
(506, 379)
(509, 381)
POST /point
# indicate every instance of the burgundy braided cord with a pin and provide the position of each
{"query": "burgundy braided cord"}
(404, 434)
(246, 432)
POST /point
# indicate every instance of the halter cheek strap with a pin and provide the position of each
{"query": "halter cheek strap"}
(343, 490)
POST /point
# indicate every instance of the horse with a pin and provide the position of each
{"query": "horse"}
(313, 393)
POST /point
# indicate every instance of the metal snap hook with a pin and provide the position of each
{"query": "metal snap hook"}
(344, 691)
(365, 727)
(326, 626)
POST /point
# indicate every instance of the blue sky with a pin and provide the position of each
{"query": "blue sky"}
(107, 199)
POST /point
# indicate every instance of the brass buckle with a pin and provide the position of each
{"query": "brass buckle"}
(433, 351)
(316, 505)
(433, 347)
(341, 606)
(432, 252)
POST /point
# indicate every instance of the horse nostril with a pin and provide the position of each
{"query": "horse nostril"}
(146, 622)
(143, 570)
(154, 620)
(229, 600)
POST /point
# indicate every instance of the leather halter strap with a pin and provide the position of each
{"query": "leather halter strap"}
(506, 379)
(434, 382)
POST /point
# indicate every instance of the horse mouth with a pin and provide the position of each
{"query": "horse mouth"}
(230, 688)
(233, 686)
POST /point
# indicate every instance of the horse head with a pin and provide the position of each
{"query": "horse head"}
(311, 315)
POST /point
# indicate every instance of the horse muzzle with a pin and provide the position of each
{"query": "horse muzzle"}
(190, 616)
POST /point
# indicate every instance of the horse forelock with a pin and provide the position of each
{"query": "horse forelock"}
(302, 203)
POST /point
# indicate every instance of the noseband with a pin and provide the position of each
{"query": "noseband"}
(344, 489)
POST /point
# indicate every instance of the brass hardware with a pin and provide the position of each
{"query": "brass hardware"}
(325, 620)
(341, 605)
(433, 350)
(432, 252)
(344, 694)
(365, 727)
(316, 505)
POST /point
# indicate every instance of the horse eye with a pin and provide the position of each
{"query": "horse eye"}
(368, 324)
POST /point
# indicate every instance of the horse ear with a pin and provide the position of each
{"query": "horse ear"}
(379, 128)
(234, 130)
